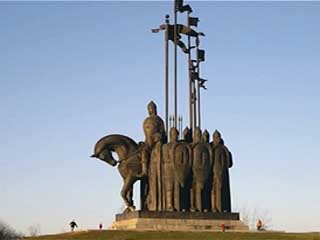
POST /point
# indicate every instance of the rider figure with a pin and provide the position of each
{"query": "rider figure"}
(152, 125)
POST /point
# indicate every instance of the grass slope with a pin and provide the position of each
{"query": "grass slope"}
(130, 235)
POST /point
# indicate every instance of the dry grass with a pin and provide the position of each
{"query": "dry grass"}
(131, 235)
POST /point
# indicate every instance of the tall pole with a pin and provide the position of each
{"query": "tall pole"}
(198, 89)
(199, 112)
(190, 80)
(175, 66)
(194, 94)
(166, 81)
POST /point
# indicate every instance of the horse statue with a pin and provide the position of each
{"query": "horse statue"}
(129, 163)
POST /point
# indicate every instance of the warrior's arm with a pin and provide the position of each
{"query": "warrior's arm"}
(145, 154)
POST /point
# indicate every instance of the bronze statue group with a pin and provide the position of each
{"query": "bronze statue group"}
(188, 174)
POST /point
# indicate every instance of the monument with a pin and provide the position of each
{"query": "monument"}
(184, 178)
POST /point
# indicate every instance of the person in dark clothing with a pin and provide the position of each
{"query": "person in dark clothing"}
(73, 225)
(259, 225)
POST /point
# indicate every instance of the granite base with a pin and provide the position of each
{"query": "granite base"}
(178, 221)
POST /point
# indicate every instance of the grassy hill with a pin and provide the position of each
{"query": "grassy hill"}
(128, 235)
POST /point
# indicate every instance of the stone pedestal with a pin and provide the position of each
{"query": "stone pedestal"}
(178, 221)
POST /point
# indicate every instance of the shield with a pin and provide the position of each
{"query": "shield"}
(202, 162)
(182, 162)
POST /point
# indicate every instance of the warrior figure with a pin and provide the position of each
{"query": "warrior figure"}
(221, 188)
(170, 183)
(202, 161)
(152, 125)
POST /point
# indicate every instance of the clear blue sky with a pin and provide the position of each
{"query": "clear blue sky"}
(71, 73)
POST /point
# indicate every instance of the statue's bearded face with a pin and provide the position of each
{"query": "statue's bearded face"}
(152, 110)
(173, 135)
(216, 138)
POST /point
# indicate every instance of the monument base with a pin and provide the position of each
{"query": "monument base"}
(178, 221)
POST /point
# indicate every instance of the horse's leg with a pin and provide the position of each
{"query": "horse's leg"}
(130, 195)
(125, 192)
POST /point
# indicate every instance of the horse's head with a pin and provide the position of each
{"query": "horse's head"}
(106, 156)
(119, 144)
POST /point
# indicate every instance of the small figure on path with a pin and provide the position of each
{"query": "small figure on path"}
(73, 225)
(100, 226)
(223, 227)
(259, 225)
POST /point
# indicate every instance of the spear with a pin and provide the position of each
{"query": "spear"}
(166, 68)
(175, 63)
(190, 80)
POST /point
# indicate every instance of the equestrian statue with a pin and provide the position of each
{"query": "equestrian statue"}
(176, 174)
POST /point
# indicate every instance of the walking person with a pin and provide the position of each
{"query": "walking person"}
(73, 225)
(259, 225)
